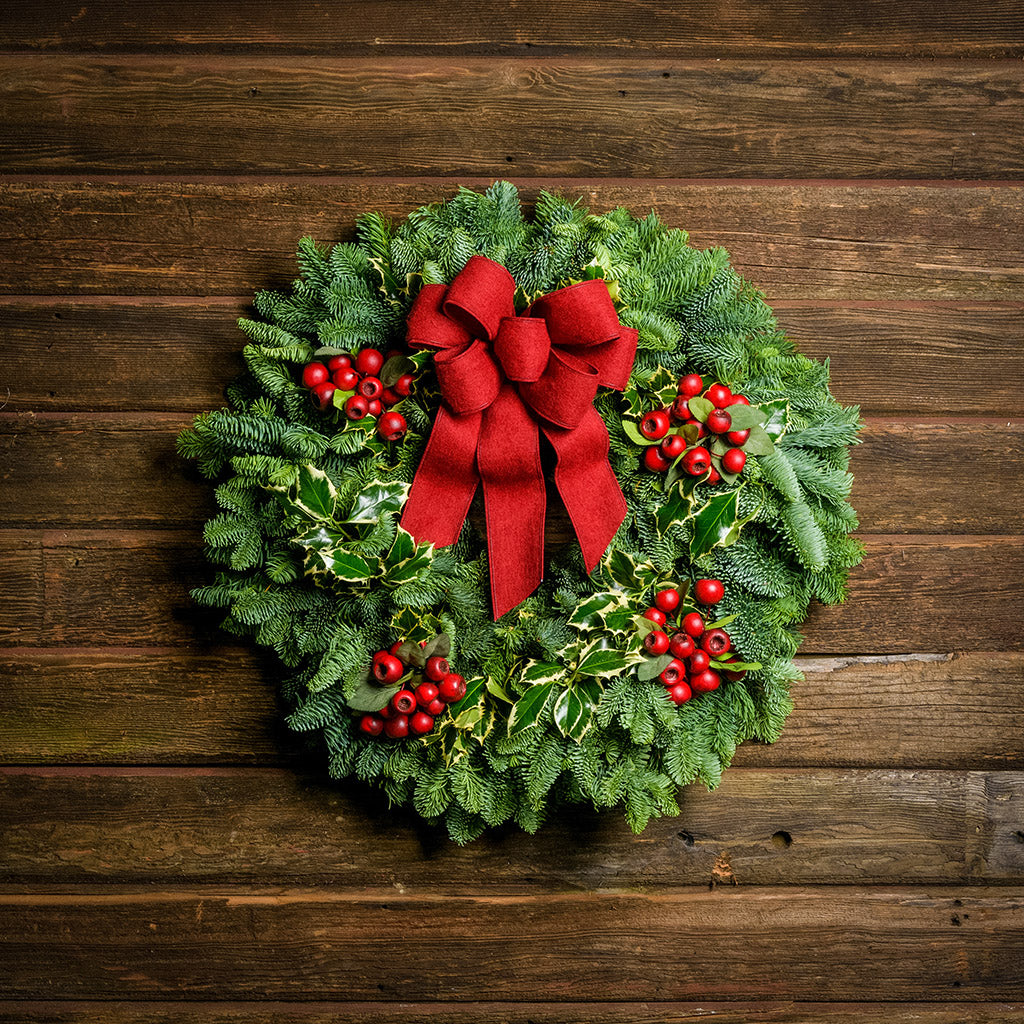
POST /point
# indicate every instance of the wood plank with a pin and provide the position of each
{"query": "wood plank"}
(355, 27)
(201, 705)
(104, 588)
(957, 944)
(488, 116)
(775, 1012)
(761, 827)
(101, 354)
(91, 470)
(821, 242)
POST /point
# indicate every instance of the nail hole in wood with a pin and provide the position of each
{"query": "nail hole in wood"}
(687, 839)
(782, 840)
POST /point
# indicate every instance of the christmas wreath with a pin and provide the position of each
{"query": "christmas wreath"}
(593, 361)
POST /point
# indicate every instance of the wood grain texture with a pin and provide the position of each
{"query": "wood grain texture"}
(957, 944)
(774, 1012)
(816, 242)
(656, 29)
(204, 705)
(486, 116)
(87, 471)
(98, 588)
(761, 827)
(178, 353)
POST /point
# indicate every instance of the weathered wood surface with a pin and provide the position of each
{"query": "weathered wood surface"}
(528, 27)
(90, 470)
(97, 588)
(614, 117)
(271, 826)
(176, 354)
(218, 706)
(820, 242)
(956, 944)
(699, 1012)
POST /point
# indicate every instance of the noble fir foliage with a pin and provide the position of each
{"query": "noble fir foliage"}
(311, 561)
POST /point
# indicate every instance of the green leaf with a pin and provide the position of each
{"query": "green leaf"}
(339, 398)
(406, 559)
(412, 654)
(526, 711)
(495, 689)
(674, 510)
(719, 447)
(620, 568)
(439, 647)
(721, 623)
(537, 672)
(651, 668)
(322, 538)
(735, 666)
(711, 525)
(746, 416)
(330, 350)
(395, 367)
(368, 696)
(414, 625)
(592, 612)
(633, 433)
(662, 385)
(599, 660)
(346, 565)
(777, 417)
(376, 498)
(314, 494)
(470, 709)
(700, 408)
(759, 442)
(574, 708)
(634, 402)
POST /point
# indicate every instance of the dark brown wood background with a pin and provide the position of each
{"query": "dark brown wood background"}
(169, 854)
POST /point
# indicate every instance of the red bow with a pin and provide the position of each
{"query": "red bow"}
(502, 378)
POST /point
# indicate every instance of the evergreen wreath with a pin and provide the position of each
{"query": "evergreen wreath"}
(603, 687)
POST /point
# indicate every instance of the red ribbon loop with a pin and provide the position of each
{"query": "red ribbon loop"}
(503, 379)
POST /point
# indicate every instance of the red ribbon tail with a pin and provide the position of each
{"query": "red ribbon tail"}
(587, 484)
(445, 481)
(515, 499)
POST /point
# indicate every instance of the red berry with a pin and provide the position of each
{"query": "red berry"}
(397, 727)
(387, 712)
(346, 379)
(714, 476)
(391, 426)
(435, 707)
(673, 672)
(697, 461)
(719, 421)
(667, 600)
(698, 662)
(370, 387)
(739, 400)
(436, 669)
(655, 424)
(718, 395)
(706, 681)
(313, 374)
(372, 725)
(694, 624)
(656, 642)
(716, 641)
(656, 615)
(654, 460)
(452, 688)
(387, 669)
(373, 407)
(708, 591)
(356, 407)
(734, 460)
(680, 693)
(426, 693)
(679, 411)
(421, 723)
(673, 446)
(737, 437)
(323, 395)
(403, 386)
(681, 645)
(389, 398)
(336, 363)
(691, 385)
(369, 361)
(404, 701)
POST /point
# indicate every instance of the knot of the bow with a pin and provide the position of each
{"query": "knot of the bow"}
(503, 377)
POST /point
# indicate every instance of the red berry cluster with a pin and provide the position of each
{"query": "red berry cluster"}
(369, 397)
(415, 706)
(696, 650)
(697, 460)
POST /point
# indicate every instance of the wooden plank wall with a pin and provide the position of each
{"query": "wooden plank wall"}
(168, 852)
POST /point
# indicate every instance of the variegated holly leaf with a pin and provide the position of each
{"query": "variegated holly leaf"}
(495, 689)
(777, 418)
(406, 559)
(526, 712)
(536, 672)
(415, 625)
(470, 710)
(593, 612)
(311, 494)
(662, 385)
(574, 708)
(375, 498)
(674, 510)
(713, 523)
(600, 660)
(344, 565)
(634, 403)
(619, 567)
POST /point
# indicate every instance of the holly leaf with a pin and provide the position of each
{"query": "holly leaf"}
(526, 711)
(313, 494)
(406, 559)
(746, 416)
(777, 414)
(634, 402)
(376, 498)
(368, 696)
(537, 672)
(495, 689)
(651, 668)
(663, 385)
(674, 510)
(620, 568)
(700, 408)
(759, 442)
(712, 523)
(619, 620)
(470, 709)
(415, 626)
(346, 565)
(633, 433)
(592, 612)
(602, 661)
(574, 708)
